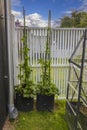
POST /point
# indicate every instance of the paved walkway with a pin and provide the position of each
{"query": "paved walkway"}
(7, 125)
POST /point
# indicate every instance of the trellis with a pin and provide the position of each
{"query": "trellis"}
(77, 86)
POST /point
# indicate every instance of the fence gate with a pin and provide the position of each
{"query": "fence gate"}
(3, 67)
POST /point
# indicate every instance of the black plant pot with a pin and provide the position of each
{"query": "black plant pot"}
(24, 104)
(45, 102)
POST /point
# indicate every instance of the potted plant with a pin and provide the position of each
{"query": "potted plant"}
(45, 94)
(25, 91)
(45, 89)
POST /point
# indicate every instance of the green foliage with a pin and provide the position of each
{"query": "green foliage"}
(84, 19)
(46, 89)
(66, 22)
(45, 86)
(77, 19)
(26, 87)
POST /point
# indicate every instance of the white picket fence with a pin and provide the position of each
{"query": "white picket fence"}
(64, 40)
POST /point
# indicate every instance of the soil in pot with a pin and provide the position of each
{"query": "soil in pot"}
(45, 102)
(24, 104)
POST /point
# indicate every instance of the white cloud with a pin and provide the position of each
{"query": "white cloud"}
(56, 23)
(34, 16)
(36, 20)
(32, 20)
(16, 14)
(16, 2)
(68, 12)
(84, 6)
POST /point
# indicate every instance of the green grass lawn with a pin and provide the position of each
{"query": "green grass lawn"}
(35, 120)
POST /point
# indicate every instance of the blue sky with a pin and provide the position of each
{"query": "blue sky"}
(59, 8)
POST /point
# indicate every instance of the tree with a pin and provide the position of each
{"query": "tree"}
(77, 19)
(66, 22)
(83, 21)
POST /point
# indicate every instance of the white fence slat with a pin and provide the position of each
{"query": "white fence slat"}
(64, 40)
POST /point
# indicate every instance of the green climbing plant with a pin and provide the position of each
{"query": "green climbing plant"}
(45, 86)
(26, 87)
